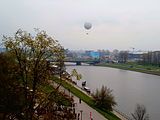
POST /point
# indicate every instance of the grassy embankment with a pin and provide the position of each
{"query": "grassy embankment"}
(107, 114)
(58, 96)
(149, 69)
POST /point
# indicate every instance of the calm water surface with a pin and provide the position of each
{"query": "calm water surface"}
(129, 88)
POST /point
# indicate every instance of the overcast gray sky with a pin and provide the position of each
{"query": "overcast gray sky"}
(116, 24)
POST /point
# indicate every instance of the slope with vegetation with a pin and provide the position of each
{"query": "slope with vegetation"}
(87, 99)
(132, 66)
(25, 72)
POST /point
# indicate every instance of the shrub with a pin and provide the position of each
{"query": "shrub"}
(104, 98)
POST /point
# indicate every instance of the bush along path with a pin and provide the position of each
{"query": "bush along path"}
(85, 98)
(82, 110)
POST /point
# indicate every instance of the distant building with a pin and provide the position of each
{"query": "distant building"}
(135, 56)
(93, 54)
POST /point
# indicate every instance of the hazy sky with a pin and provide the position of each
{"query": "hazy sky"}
(116, 24)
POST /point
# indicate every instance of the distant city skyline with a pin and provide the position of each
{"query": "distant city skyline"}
(116, 24)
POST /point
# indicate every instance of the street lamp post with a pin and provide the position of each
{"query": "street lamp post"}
(81, 113)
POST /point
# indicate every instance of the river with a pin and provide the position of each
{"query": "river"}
(129, 87)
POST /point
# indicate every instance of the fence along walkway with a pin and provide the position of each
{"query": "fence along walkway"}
(121, 115)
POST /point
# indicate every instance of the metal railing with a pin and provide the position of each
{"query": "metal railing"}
(122, 114)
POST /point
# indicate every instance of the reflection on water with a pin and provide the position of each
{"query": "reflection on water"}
(128, 87)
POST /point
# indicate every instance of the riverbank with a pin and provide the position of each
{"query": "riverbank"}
(86, 98)
(133, 67)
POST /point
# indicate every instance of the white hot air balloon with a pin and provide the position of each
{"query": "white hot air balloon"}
(87, 26)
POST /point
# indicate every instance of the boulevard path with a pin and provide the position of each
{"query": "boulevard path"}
(85, 112)
(83, 105)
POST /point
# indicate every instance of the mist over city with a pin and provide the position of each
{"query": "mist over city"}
(115, 24)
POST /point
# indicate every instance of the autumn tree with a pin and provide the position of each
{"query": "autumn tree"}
(32, 56)
(75, 74)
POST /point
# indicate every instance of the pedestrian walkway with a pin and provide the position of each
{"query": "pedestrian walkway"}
(86, 112)
(117, 113)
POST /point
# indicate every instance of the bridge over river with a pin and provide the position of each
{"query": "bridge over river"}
(79, 62)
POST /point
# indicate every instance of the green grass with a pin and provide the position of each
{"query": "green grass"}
(58, 97)
(107, 114)
(149, 69)
(47, 88)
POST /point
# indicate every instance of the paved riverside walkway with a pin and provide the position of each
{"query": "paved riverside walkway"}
(118, 114)
(86, 112)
